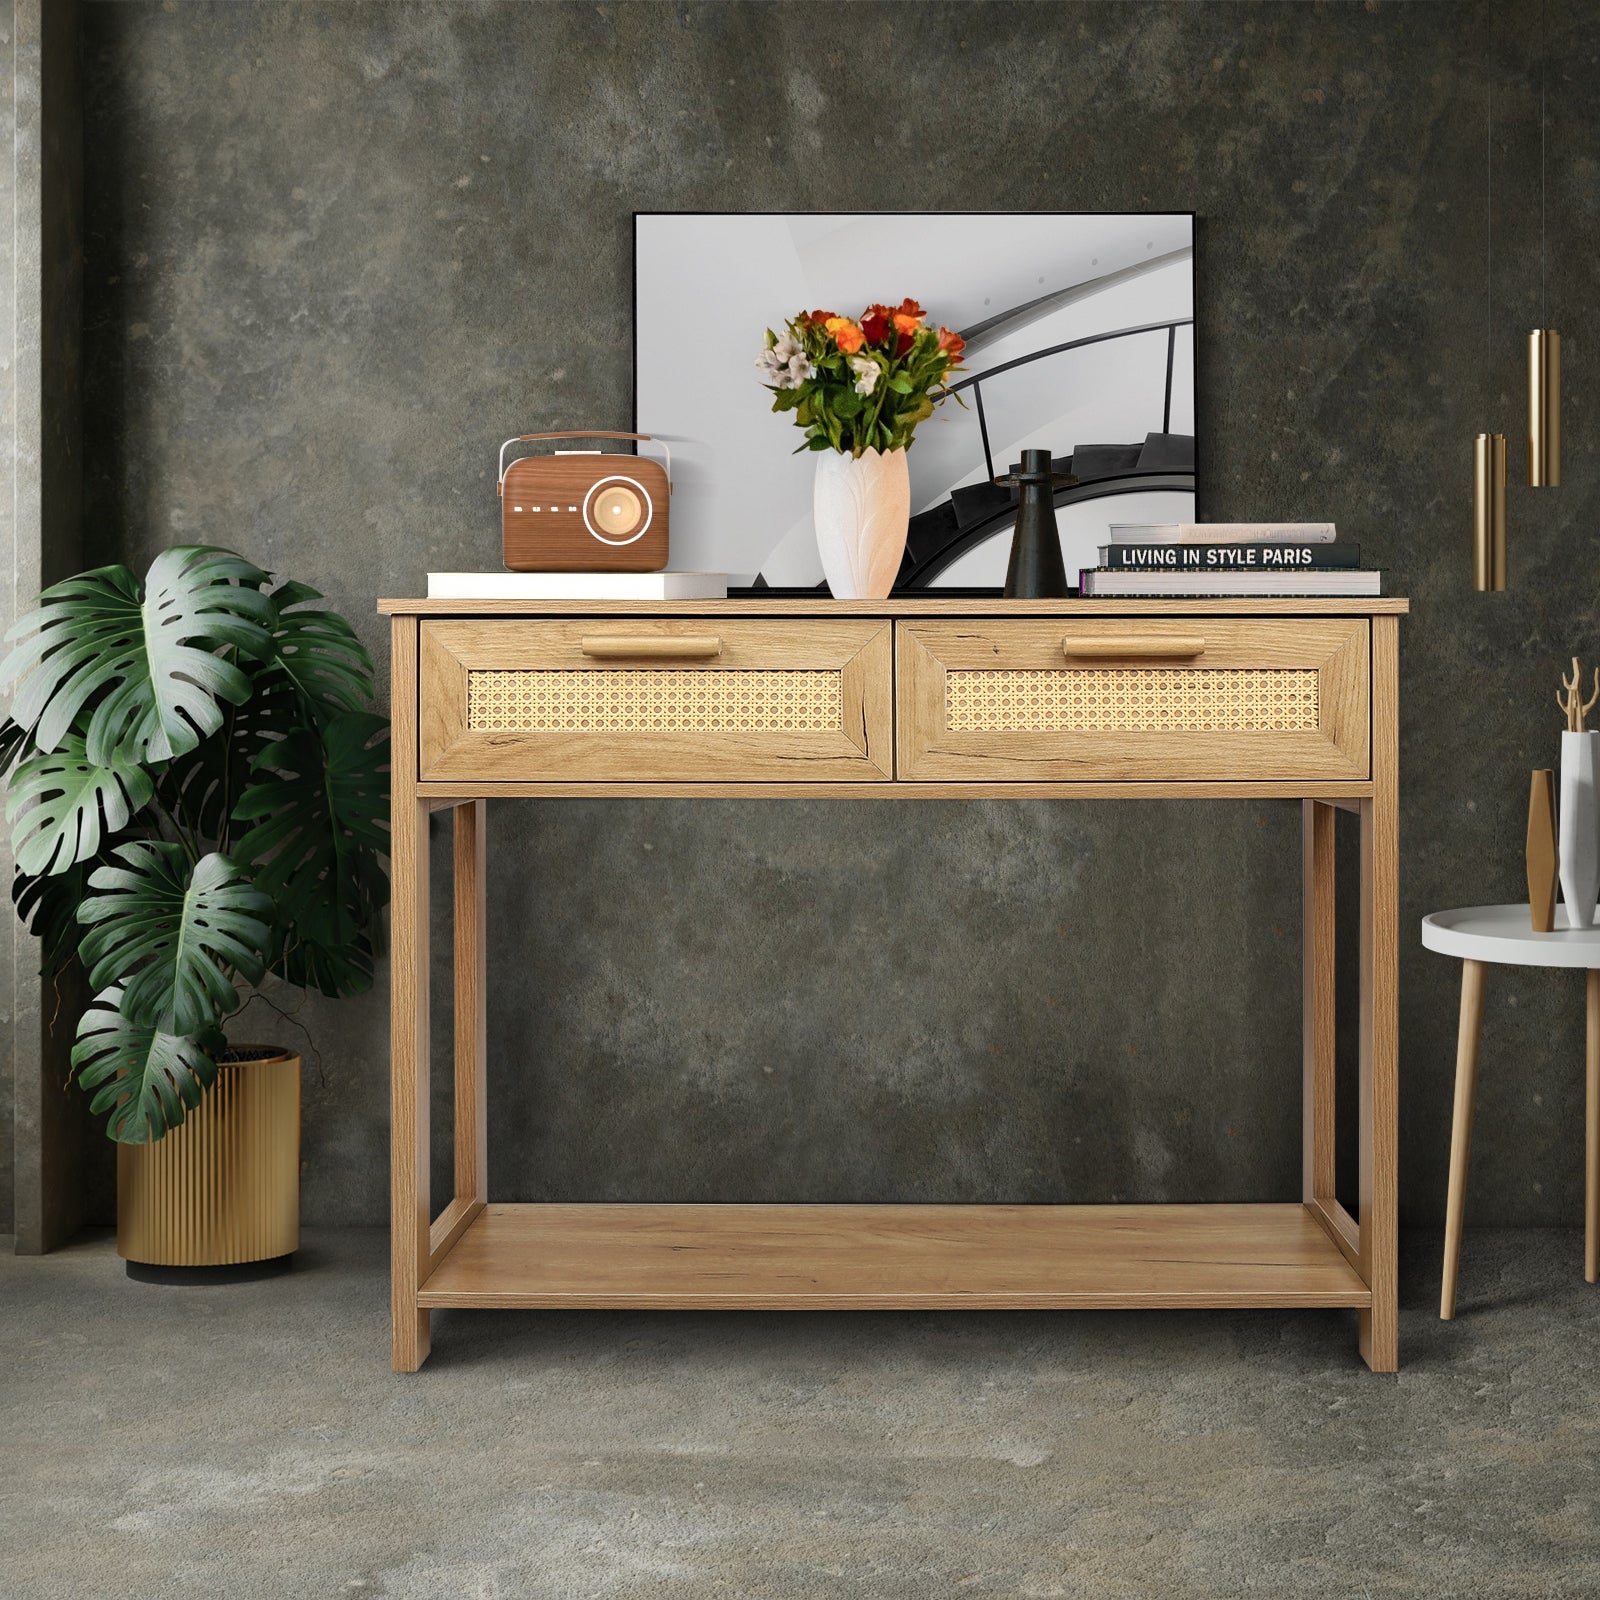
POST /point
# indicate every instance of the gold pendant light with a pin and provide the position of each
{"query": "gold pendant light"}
(1544, 408)
(1544, 344)
(1489, 449)
(1489, 511)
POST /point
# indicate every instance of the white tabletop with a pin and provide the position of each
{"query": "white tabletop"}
(1504, 934)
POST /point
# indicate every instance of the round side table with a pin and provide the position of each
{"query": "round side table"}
(1477, 936)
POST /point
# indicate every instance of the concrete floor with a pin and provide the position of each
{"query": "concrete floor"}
(250, 1440)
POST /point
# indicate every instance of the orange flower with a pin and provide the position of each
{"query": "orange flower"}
(846, 334)
(951, 344)
(909, 317)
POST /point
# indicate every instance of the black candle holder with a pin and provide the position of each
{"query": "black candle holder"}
(1036, 570)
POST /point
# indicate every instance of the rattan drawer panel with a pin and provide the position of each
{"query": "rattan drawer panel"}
(748, 700)
(1217, 699)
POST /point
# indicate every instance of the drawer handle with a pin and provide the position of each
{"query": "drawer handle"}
(698, 646)
(1168, 646)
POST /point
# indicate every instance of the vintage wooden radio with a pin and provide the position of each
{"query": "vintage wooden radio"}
(584, 510)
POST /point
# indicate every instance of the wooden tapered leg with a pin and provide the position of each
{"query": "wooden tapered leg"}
(1461, 1127)
(1317, 1002)
(1380, 1007)
(1591, 1185)
(472, 1124)
(410, 1206)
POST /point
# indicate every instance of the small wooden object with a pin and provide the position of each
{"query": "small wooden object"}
(1541, 852)
(1572, 701)
(583, 512)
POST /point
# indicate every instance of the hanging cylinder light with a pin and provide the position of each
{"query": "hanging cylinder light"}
(1544, 408)
(1544, 344)
(1489, 511)
(1489, 449)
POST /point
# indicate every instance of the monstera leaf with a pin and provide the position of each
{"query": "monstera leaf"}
(146, 1081)
(319, 653)
(61, 806)
(13, 744)
(147, 671)
(314, 668)
(317, 811)
(171, 937)
(49, 908)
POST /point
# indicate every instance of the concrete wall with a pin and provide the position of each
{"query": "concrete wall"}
(58, 1166)
(8, 545)
(335, 253)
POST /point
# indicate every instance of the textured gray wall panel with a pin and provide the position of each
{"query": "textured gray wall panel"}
(337, 252)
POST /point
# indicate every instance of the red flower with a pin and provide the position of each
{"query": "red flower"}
(910, 308)
(951, 344)
(904, 343)
(875, 324)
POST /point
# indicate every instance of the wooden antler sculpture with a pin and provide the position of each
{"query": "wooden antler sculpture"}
(1572, 702)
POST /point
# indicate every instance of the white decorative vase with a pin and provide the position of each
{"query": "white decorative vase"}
(862, 507)
(1580, 826)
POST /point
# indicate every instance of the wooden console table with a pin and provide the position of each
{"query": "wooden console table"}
(903, 700)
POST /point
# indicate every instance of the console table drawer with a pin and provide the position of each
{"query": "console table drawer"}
(624, 699)
(1195, 699)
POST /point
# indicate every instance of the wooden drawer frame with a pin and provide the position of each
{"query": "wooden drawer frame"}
(1336, 649)
(859, 750)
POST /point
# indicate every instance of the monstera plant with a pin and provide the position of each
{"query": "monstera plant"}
(197, 798)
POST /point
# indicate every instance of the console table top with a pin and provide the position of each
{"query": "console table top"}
(898, 607)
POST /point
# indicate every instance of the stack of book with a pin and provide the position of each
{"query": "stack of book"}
(1200, 559)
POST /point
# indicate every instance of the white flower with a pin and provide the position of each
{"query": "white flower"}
(787, 348)
(866, 371)
(800, 367)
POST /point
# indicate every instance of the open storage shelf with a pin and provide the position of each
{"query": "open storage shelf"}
(893, 1257)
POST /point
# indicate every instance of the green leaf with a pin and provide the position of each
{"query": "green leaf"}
(899, 385)
(848, 404)
(14, 743)
(146, 669)
(61, 806)
(49, 909)
(171, 937)
(319, 653)
(146, 1080)
(319, 811)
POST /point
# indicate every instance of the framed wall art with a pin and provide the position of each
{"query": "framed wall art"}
(1080, 339)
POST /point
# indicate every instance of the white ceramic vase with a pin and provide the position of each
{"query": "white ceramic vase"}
(1580, 826)
(862, 507)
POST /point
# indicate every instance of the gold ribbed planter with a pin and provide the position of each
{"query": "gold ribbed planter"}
(224, 1187)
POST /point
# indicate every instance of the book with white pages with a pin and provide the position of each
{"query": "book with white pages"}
(1306, 582)
(1222, 533)
(577, 585)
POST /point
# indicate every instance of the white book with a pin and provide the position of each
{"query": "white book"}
(1222, 533)
(577, 585)
(1349, 582)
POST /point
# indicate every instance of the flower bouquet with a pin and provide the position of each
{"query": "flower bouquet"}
(858, 389)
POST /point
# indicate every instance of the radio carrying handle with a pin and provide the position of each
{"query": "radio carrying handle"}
(526, 438)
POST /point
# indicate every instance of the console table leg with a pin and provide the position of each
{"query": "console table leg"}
(1380, 1003)
(1317, 1001)
(1591, 1187)
(1461, 1128)
(410, 1207)
(471, 950)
